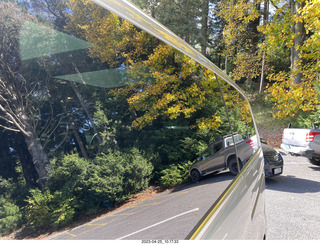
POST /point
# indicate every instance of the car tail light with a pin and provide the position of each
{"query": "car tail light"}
(310, 136)
(250, 142)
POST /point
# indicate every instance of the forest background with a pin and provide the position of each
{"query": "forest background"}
(270, 48)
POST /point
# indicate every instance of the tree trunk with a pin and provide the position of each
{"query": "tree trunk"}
(265, 22)
(29, 171)
(204, 26)
(79, 141)
(85, 108)
(39, 156)
(298, 29)
(262, 71)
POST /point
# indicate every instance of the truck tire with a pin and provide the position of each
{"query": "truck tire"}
(195, 176)
(233, 167)
(315, 160)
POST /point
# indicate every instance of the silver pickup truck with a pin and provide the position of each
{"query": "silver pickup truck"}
(221, 155)
(303, 142)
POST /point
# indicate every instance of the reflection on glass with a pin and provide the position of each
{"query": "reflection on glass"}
(113, 110)
(37, 40)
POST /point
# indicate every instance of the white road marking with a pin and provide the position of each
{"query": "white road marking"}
(163, 221)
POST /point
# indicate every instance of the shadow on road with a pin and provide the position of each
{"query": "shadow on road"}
(210, 179)
(290, 183)
(315, 168)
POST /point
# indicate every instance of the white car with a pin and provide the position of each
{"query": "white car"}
(303, 142)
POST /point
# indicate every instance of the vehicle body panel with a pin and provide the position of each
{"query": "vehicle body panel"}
(315, 145)
(295, 141)
(211, 161)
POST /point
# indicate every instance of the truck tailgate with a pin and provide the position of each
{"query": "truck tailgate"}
(295, 137)
(315, 144)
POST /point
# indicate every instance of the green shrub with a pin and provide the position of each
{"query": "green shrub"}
(6, 186)
(62, 210)
(110, 177)
(138, 172)
(48, 210)
(10, 216)
(115, 176)
(38, 212)
(175, 174)
(67, 172)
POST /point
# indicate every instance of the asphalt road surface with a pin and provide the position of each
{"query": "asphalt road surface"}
(293, 201)
(170, 215)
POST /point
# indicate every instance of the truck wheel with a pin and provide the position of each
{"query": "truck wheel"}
(195, 176)
(233, 167)
(314, 160)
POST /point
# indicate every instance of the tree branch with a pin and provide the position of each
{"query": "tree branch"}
(9, 128)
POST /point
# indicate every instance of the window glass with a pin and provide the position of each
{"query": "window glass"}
(94, 109)
(217, 147)
(242, 126)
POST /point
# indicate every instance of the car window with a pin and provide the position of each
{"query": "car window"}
(229, 142)
(242, 124)
(217, 147)
(97, 109)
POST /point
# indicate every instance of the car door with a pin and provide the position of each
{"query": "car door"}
(218, 157)
(206, 160)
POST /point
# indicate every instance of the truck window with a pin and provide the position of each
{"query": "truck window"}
(217, 147)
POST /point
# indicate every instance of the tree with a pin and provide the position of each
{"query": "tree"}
(181, 17)
(53, 11)
(299, 32)
(173, 86)
(241, 37)
(293, 27)
(148, 6)
(16, 109)
(204, 26)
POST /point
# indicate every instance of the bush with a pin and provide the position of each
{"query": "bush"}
(77, 186)
(175, 174)
(111, 177)
(10, 216)
(45, 209)
(138, 172)
(115, 176)
(62, 210)
(6, 186)
(38, 211)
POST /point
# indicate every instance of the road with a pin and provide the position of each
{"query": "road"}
(293, 201)
(292, 209)
(170, 215)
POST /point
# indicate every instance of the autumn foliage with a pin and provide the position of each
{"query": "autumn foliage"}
(173, 85)
(289, 97)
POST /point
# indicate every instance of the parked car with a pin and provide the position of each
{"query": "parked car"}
(302, 142)
(273, 161)
(220, 155)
